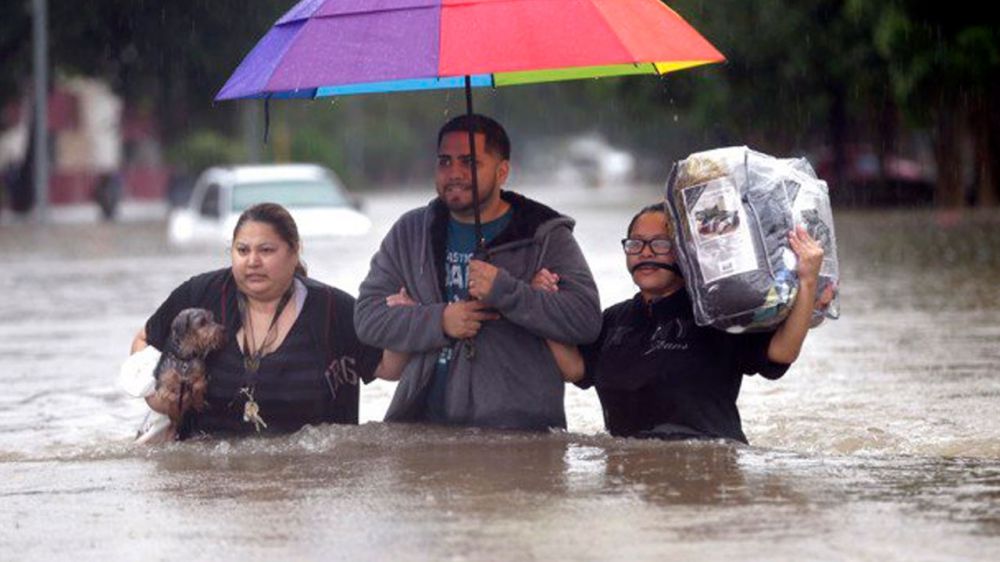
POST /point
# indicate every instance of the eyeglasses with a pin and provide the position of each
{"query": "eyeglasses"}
(659, 246)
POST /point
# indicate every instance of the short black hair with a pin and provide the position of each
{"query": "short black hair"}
(496, 137)
(654, 208)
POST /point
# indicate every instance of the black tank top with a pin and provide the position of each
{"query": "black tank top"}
(290, 386)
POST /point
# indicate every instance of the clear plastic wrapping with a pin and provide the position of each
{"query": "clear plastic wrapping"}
(731, 210)
(811, 208)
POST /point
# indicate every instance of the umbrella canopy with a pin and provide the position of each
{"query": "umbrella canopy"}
(340, 47)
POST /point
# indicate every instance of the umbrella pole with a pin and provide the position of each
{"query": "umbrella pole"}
(480, 253)
(480, 242)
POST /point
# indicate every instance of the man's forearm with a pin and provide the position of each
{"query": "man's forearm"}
(568, 316)
(407, 329)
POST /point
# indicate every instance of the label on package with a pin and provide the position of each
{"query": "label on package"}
(719, 229)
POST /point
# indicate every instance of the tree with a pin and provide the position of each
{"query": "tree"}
(169, 56)
(945, 69)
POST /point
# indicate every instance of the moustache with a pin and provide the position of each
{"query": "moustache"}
(668, 266)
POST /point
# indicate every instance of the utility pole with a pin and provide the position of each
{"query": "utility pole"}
(40, 56)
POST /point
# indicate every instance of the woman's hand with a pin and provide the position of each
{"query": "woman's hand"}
(402, 298)
(161, 401)
(391, 366)
(809, 252)
(546, 281)
(139, 341)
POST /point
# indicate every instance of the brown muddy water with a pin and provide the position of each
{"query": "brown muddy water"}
(881, 443)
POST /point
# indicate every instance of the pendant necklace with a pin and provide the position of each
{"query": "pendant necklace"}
(252, 357)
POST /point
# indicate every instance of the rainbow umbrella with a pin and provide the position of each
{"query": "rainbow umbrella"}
(342, 47)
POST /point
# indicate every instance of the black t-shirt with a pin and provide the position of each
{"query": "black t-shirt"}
(311, 378)
(659, 374)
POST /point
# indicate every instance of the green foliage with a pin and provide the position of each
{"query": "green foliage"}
(15, 49)
(800, 73)
(311, 144)
(934, 55)
(203, 148)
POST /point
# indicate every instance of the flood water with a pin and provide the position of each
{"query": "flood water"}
(881, 443)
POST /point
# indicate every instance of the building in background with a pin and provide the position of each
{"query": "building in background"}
(102, 152)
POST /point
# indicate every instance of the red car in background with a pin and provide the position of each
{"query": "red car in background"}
(867, 180)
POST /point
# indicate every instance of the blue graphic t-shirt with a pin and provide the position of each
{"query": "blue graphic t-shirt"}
(460, 247)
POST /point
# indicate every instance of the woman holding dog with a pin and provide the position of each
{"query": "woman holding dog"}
(290, 355)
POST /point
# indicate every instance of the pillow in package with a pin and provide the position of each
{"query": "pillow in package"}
(731, 210)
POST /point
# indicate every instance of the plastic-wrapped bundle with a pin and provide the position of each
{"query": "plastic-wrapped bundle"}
(732, 209)
(811, 208)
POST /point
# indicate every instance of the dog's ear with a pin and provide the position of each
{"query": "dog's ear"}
(182, 333)
(181, 325)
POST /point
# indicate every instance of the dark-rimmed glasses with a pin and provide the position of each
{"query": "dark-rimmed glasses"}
(659, 246)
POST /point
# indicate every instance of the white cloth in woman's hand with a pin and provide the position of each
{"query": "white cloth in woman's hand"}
(136, 375)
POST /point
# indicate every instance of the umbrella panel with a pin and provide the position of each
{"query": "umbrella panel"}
(325, 47)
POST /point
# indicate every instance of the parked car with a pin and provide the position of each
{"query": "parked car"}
(314, 195)
(898, 180)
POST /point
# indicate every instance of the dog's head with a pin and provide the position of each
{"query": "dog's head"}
(194, 333)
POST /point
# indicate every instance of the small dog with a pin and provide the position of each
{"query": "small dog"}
(181, 380)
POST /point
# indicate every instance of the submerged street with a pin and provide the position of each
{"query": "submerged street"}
(881, 442)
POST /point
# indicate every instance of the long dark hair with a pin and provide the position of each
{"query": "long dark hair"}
(278, 218)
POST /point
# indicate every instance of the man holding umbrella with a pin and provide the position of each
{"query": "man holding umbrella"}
(476, 329)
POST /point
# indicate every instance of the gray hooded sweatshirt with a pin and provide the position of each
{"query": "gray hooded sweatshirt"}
(512, 380)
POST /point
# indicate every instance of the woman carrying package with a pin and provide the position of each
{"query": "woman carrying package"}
(656, 372)
(290, 355)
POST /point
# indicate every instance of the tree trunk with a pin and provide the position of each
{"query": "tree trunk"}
(887, 132)
(947, 152)
(838, 134)
(985, 175)
(993, 118)
(984, 135)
